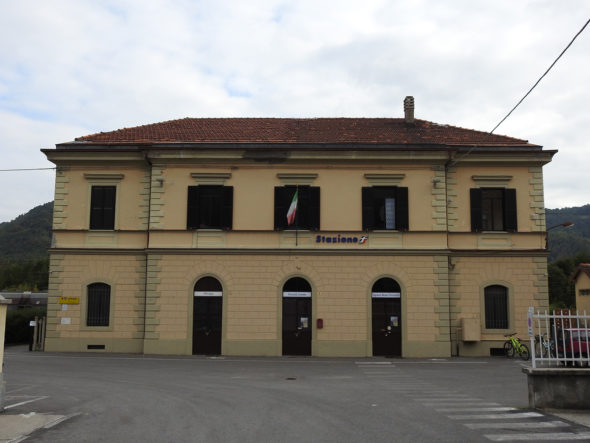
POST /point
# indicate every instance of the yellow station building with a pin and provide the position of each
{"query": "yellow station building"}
(409, 238)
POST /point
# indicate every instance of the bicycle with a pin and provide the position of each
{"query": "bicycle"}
(513, 345)
(544, 346)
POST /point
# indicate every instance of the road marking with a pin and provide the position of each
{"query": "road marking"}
(478, 403)
(25, 402)
(475, 409)
(429, 362)
(60, 420)
(449, 397)
(380, 375)
(435, 401)
(517, 426)
(508, 415)
(537, 436)
(368, 363)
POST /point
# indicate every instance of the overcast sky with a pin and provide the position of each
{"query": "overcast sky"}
(73, 67)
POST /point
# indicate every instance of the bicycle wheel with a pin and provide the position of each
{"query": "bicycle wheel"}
(508, 349)
(524, 352)
(541, 348)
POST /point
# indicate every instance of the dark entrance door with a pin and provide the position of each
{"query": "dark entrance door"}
(387, 318)
(297, 317)
(207, 314)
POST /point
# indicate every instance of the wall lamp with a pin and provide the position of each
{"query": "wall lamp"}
(564, 224)
(559, 225)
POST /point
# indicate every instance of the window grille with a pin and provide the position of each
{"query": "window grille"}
(496, 307)
(99, 304)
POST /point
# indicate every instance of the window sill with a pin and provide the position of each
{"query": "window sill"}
(97, 328)
(499, 332)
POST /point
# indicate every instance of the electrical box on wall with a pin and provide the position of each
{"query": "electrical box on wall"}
(470, 329)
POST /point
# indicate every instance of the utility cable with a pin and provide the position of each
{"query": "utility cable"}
(27, 169)
(454, 162)
(541, 78)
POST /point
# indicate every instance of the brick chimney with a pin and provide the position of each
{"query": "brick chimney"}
(409, 109)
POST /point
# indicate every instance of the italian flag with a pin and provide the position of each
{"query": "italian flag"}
(292, 209)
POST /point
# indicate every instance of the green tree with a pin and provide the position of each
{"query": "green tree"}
(561, 290)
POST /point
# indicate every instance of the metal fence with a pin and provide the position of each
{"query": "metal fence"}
(560, 339)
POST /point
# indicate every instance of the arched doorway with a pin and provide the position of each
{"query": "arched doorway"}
(386, 318)
(207, 314)
(296, 317)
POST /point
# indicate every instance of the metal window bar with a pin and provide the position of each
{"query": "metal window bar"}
(496, 306)
(99, 298)
(554, 334)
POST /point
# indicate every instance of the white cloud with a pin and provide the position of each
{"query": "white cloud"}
(74, 67)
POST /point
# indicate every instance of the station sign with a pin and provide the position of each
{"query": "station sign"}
(296, 294)
(69, 300)
(386, 294)
(340, 239)
(208, 293)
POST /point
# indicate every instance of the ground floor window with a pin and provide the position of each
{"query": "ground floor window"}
(99, 304)
(496, 307)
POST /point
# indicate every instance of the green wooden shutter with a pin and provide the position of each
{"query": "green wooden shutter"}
(510, 222)
(401, 209)
(192, 209)
(475, 197)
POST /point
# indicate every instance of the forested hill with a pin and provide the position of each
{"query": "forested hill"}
(570, 241)
(28, 236)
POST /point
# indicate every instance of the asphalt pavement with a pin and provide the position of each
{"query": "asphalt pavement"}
(54, 397)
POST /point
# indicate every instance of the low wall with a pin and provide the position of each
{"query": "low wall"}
(558, 388)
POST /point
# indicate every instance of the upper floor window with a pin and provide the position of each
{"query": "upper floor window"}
(493, 209)
(99, 304)
(210, 207)
(306, 207)
(102, 207)
(496, 307)
(385, 207)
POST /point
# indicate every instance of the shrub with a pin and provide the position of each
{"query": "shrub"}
(17, 324)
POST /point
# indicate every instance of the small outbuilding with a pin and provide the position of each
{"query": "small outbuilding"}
(581, 279)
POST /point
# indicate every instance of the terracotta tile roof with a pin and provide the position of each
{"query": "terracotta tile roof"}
(582, 267)
(298, 131)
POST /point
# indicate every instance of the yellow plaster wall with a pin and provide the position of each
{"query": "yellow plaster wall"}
(582, 301)
(340, 194)
(521, 178)
(252, 294)
(525, 278)
(130, 212)
(74, 273)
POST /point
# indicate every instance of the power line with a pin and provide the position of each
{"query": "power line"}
(27, 169)
(541, 78)
(454, 162)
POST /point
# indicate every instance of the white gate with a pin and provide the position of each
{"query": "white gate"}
(560, 339)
